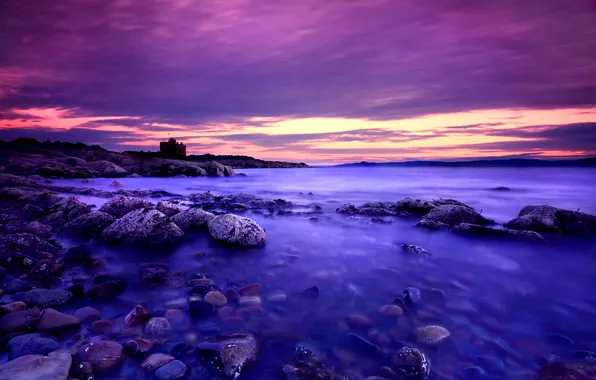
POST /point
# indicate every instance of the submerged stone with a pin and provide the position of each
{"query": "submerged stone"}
(228, 355)
(411, 363)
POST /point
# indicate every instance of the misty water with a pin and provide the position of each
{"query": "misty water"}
(507, 304)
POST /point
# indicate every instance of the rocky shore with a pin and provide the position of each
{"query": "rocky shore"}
(57, 303)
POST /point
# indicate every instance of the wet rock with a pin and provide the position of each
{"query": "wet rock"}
(107, 290)
(103, 355)
(142, 227)
(101, 327)
(358, 321)
(228, 355)
(411, 363)
(277, 298)
(158, 328)
(22, 320)
(120, 205)
(12, 307)
(431, 335)
(31, 344)
(412, 296)
(55, 366)
(475, 230)
(167, 208)
(308, 351)
(236, 230)
(432, 225)
(500, 188)
(175, 316)
(47, 297)
(155, 361)
(550, 219)
(414, 206)
(452, 215)
(312, 292)
(249, 301)
(414, 250)
(79, 255)
(42, 269)
(312, 370)
(52, 321)
(216, 298)
(391, 311)
(87, 314)
(108, 169)
(171, 371)
(88, 225)
(38, 229)
(192, 219)
(136, 316)
(251, 290)
(66, 210)
(27, 244)
(138, 347)
(116, 184)
(83, 371)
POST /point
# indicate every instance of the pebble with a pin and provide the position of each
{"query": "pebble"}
(412, 296)
(431, 335)
(178, 303)
(358, 321)
(249, 301)
(174, 316)
(12, 307)
(57, 322)
(391, 311)
(277, 298)
(215, 298)
(32, 344)
(155, 361)
(102, 326)
(251, 290)
(88, 314)
(136, 316)
(103, 355)
(411, 363)
(171, 371)
(158, 328)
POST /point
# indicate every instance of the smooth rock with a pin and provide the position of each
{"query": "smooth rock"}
(544, 218)
(249, 301)
(104, 355)
(215, 298)
(192, 219)
(158, 328)
(277, 298)
(236, 230)
(55, 366)
(47, 297)
(101, 327)
(251, 290)
(412, 296)
(171, 371)
(12, 307)
(391, 311)
(136, 316)
(155, 361)
(21, 320)
(52, 321)
(107, 290)
(88, 314)
(411, 363)
(431, 335)
(452, 215)
(475, 230)
(32, 344)
(228, 355)
(175, 316)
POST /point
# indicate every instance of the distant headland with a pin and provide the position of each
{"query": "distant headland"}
(487, 163)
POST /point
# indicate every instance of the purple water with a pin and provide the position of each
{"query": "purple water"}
(507, 304)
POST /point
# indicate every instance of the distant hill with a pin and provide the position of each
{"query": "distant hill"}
(514, 162)
(237, 162)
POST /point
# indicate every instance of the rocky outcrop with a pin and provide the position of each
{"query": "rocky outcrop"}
(404, 207)
(108, 169)
(236, 230)
(142, 227)
(66, 210)
(167, 208)
(121, 205)
(544, 218)
(455, 214)
(192, 219)
(88, 225)
(475, 230)
(55, 366)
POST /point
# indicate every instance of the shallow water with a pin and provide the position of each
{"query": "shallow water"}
(506, 304)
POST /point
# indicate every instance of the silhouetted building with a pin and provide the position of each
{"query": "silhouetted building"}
(172, 148)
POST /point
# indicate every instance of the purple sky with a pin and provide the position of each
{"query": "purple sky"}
(334, 80)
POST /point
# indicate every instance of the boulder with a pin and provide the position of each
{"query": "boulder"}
(432, 225)
(454, 214)
(228, 355)
(55, 366)
(414, 250)
(52, 321)
(167, 208)
(21, 320)
(47, 297)
(67, 210)
(32, 344)
(474, 230)
(192, 219)
(544, 218)
(27, 244)
(142, 227)
(121, 205)
(108, 169)
(236, 230)
(107, 290)
(414, 206)
(43, 269)
(88, 225)
(103, 355)
(88, 314)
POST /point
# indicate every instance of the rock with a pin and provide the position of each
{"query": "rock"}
(452, 215)
(431, 335)
(249, 301)
(312, 292)
(475, 230)
(136, 317)
(103, 355)
(31, 344)
(192, 219)
(277, 298)
(411, 363)
(414, 250)
(216, 298)
(563, 371)
(138, 347)
(358, 321)
(102, 327)
(158, 328)
(228, 355)
(87, 314)
(12, 307)
(38, 229)
(116, 184)
(251, 290)
(47, 297)
(66, 210)
(55, 366)
(347, 208)
(172, 370)
(52, 321)
(27, 244)
(88, 225)
(167, 208)
(120, 205)
(307, 351)
(432, 225)
(414, 206)
(155, 361)
(500, 188)
(142, 227)
(158, 275)
(42, 270)
(174, 316)
(107, 290)
(237, 230)
(391, 311)
(550, 219)
(412, 296)
(22, 320)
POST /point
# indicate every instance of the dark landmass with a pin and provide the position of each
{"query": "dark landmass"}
(237, 162)
(78, 160)
(516, 162)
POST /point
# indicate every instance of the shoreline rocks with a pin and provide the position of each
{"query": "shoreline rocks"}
(142, 227)
(236, 230)
(549, 219)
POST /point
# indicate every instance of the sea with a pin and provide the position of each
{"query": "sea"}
(507, 304)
